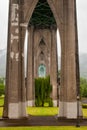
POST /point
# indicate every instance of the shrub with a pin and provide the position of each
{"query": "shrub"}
(43, 90)
(84, 106)
(2, 91)
(83, 87)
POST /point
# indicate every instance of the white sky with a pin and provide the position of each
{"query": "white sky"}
(82, 24)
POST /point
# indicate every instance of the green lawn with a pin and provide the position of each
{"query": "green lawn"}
(1, 111)
(44, 111)
(36, 111)
(1, 101)
(45, 128)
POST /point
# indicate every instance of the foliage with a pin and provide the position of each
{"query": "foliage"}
(83, 87)
(2, 80)
(2, 89)
(84, 106)
(43, 90)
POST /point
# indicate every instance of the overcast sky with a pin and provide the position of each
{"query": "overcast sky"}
(82, 24)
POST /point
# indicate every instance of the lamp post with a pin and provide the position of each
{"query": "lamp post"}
(78, 121)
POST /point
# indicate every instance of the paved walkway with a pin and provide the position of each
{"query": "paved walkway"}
(40, 121)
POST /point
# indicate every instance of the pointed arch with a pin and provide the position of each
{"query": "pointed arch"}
(38, 44)
(52, 7)
(42, 55)
(42, 43)
(30, 11)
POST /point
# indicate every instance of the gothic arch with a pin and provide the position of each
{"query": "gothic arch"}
(64, 12)
(38, 43)
(51, 5)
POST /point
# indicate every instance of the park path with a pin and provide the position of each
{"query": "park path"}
(40, 121)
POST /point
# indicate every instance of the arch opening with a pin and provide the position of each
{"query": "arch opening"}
(42, 16)
(42, 71)
(43, 27)
(43, 23)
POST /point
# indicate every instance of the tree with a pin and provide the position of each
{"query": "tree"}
(83, 87)
(43, 90)
(2, 91)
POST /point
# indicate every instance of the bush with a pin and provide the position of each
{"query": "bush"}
(50, 102)
(2, 80)
(43, 90)
(84, 106)
(2, 91)
(83, 87)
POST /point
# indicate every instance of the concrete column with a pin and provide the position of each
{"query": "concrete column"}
(30, 68)
(15, 107)
(53, 65)
(22, 88)
(5, 109)
(68, 90)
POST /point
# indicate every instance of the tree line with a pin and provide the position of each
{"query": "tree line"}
(43, 84)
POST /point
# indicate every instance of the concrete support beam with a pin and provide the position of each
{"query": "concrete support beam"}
(30, 68)
(19, 15)
(68, 89)
(69, 110)
(53, 65)
(15, 94)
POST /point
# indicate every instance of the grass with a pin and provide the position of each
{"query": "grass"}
(36, 111)
(45, 128)
(44, 111)
(84, 112)
(1, 111)
(1, 101)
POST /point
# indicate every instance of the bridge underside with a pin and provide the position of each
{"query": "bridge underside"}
(42, 18)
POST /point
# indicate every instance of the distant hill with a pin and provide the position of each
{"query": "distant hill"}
(83, 64)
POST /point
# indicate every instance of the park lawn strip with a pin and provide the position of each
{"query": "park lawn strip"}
(45, 128)
(42, 111)
(85, 113)
(1, 111)
(1, 101)
(39, 111)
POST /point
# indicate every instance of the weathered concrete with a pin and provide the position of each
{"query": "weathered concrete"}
(42, 49)
(30, 67)
(19, 16)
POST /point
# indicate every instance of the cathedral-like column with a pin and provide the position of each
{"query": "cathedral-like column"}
(68, 88)
(53, 65)
(13, 99)
(5, 109)
(22, 88)
(30, 68)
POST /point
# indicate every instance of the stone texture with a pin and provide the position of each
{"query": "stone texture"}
(30, 66)
(69, 110)
(42, 49)
(65, 15)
